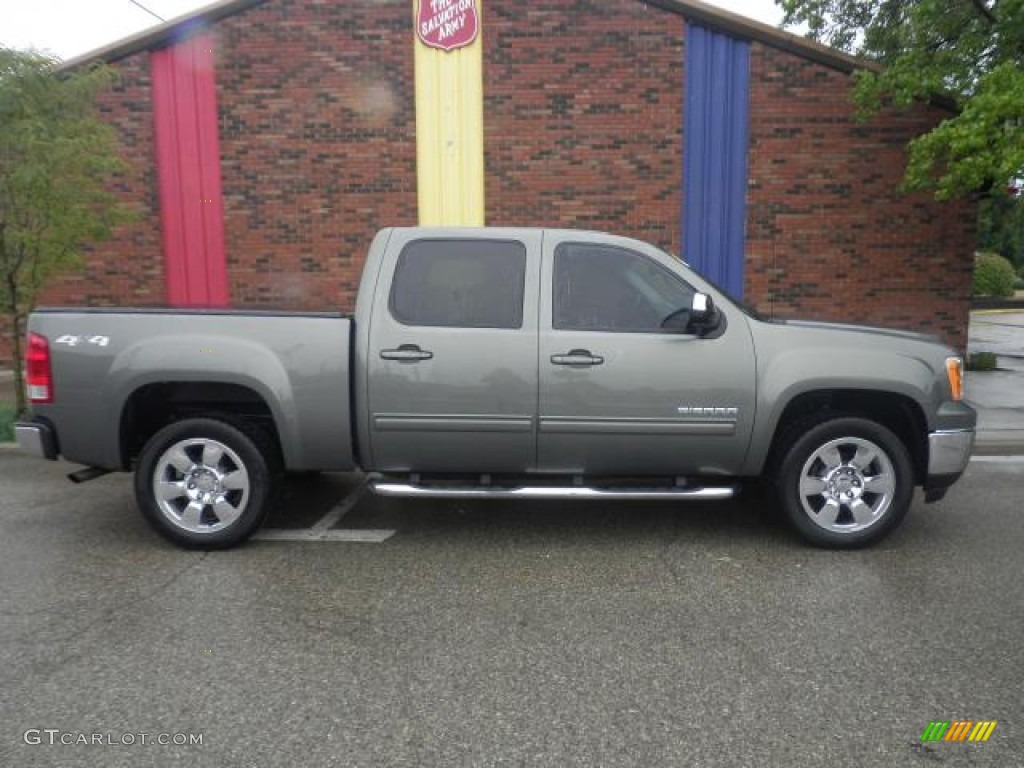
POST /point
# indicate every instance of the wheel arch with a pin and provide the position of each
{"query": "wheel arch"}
(152, 406)
(897, 412)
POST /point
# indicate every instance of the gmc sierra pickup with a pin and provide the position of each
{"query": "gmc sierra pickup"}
(501, 363)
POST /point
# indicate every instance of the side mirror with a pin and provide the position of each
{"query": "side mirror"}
(702, 308)
(700, 318)
(704, 316)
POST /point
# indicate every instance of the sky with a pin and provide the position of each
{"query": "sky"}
(69, 28)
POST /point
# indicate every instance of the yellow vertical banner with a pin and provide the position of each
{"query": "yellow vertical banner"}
(449, 112)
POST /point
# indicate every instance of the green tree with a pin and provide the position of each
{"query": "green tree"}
(970, 51)
(1001, 228)
(56, 158)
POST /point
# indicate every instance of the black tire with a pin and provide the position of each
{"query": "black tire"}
(234, 492)
(859, 505)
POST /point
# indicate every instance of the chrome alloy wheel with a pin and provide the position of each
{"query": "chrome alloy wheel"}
(847, 485)
(200, 485)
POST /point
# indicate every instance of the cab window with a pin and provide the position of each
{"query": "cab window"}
(605, 288)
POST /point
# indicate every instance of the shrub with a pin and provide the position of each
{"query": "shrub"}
(982, 361)
(6, 423)
(993, 275)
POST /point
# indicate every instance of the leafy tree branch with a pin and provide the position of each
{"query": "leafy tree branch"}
(970, 52)
(57, 158)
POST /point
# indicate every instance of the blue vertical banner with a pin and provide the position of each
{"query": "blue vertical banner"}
(715, 133)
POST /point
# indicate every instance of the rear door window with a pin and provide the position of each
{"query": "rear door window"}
(460, 284)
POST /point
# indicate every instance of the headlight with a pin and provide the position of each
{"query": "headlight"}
(955, 372)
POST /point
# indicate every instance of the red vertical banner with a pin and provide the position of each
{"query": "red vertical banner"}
(188, 170)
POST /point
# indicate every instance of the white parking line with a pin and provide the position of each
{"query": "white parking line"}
(999, 459)
(367, 536)
(324, 530)
(341, 509)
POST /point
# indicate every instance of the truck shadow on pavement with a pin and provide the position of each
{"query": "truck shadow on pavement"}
(308, 499)
(750, 520)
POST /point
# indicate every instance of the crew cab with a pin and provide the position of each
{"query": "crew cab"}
(501, 363)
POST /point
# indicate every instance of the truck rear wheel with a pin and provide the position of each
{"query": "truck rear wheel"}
(204, 483)
(845, 482)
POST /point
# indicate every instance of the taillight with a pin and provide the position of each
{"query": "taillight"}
(38, 373)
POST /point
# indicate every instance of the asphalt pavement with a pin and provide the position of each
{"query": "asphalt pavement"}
(504, 634)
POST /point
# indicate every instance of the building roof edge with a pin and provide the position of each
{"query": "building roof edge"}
(158, 36)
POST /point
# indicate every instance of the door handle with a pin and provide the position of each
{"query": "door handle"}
(577, 357)
(406, 353)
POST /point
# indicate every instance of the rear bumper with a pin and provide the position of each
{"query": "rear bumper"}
(36, 438)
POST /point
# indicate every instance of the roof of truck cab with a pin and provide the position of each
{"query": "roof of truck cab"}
(508, 231)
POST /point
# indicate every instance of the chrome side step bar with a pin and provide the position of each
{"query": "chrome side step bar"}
(684, 493)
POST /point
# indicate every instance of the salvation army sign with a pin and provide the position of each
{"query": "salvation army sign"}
(447, 24)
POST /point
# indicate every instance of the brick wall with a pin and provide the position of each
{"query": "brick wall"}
(318, 145)
(317, 133)
(583, 116)
(829, 234)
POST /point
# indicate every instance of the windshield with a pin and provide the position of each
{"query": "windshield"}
(742, 305)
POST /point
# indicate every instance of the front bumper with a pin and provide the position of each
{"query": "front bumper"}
(949, 450)
(36, 438)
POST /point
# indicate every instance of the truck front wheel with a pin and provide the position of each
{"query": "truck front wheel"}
(845, 482)
(204, 483)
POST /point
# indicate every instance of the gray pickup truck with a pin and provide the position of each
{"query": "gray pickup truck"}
(501, 363)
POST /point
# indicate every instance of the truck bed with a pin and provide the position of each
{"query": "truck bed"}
(111, 364)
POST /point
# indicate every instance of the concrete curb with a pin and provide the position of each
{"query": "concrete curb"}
(998, 447)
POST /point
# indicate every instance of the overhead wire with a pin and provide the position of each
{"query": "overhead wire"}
(151, 13)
